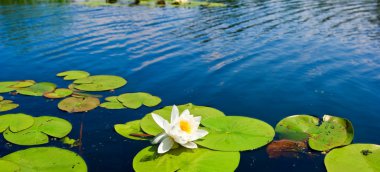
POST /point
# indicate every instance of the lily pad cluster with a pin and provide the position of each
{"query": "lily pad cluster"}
(9, 86)
(23, 129)
(46, 159)
(220, 148)
(131, 100)
(6, 105)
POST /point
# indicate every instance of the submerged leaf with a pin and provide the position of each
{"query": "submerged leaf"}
(15, 122)
(59, 93)
(129, 129)
(183, 159)
(286, 148)
(135, 100)
(70, 141)
(99, 83)
(38, 89)
(236, 133)
(354, 158)
(38, 133)
(74, 74)
(47, 159)
(75, 104)
(149, 126)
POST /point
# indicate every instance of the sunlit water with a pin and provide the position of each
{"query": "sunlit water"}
(263, 59)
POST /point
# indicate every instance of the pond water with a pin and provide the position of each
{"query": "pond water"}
(263, 59)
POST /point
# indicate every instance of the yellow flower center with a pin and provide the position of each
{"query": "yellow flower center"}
(185, 126)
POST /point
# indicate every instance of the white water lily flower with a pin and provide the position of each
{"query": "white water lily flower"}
(182, 129)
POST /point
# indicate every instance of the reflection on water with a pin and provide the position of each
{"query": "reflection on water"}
(264, 59)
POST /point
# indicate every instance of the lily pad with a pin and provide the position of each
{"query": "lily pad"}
(38, 89)
(333, 132)
(7, 166)
(15, 122)
(7, 86)
(354, 158)
(99, 83)
(59, 93)
(23, 84)
(47, 159)
(6, 105)
(182, 159)
(132, 127)
(135, 100)
(236, 133)
(38, 133)
(150, 127)
(112, 105)
(77, 104)
(74, 74)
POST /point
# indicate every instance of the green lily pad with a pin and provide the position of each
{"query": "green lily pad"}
(112, 105)
(15, 122)
(23, 84)
(100, 83)
(7, 166)
(38, 133)
(38, 89)
(73, 74)
(354, 158)
(1, 98)
(6, 105)
(77, 104)
(7, 86)
(47, 159)
(182, 159)
(135, 100)
(236, 133)
(132, 127)
(59, 93)
(149, 126)
(333, 131)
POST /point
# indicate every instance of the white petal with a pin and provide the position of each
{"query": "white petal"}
(185, 113)
(165, 145)
(161, 122)
(190, 145)
(174, 115)
(199, 134)
(197, 119)
(159, 138)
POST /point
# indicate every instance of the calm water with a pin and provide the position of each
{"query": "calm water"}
(263, 59)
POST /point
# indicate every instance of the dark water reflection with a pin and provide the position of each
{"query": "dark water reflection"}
(264, 59)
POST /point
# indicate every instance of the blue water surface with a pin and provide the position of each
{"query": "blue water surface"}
(265, 59)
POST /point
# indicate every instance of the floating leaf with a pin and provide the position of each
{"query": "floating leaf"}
(7, 86)
(76, 104)
(150, 127)
(38, 89)
(15, 122)
(135, 100)
(112, 105)
(38, 133)
(47, 159)
(183, 159)
(59, 93)
(99, 83)
(6, 105)
(286, 148)
(235, 133)
(354, 158)
(7, 166)
(70, 141)
(74, 74)
(333, 132)
(23, 84)
(132, 127)
(1, 98)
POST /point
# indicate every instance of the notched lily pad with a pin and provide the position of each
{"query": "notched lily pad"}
(59, 93)
(38, 133)
(354, 158)
(47, 159)
(333, 132)
(15, 122)
(6, 105)
(38, 89)
(236, 133)
(131, 130)
(99, 83)
(77, 104)
(73, 74)
(150, 127)
(182, 159)
(136, 100)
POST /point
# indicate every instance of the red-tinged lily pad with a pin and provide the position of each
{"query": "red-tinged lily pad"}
(77, 104)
